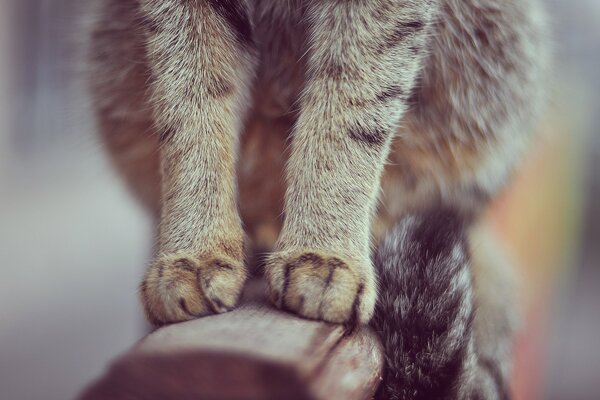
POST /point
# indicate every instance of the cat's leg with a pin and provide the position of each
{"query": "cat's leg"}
(363, 57)
(202, 60)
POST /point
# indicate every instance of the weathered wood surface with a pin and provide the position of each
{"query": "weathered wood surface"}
(253, 352)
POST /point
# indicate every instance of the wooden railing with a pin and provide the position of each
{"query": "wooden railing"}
(253, 352)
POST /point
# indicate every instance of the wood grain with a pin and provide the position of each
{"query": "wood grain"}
(253, 352)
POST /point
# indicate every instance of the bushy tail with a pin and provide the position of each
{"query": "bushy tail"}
(426, 312)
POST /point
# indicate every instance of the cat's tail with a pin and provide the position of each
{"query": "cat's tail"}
(425, 314)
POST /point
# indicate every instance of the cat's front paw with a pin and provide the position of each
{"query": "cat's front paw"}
(179, 287)
(322, 286)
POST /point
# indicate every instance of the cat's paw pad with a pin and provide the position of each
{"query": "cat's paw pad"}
(180, 287)
(322, 286)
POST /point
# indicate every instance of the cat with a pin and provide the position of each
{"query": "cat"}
(357, 142)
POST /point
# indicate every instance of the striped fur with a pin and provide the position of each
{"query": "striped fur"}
(426, 313)
(195, 102)
(338, 149)
(198, 103)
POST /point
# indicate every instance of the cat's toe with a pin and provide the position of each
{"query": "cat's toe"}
(180, 287)
(322, 286)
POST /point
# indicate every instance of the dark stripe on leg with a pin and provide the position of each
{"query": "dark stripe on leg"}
(414, 50)
(401, 32)
(184, 264)
(237, 16)
(223, 265)
(371, 137)
(391, 93)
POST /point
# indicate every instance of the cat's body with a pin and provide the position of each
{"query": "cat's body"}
(306, 100)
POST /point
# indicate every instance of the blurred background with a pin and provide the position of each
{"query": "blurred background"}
(73, 243)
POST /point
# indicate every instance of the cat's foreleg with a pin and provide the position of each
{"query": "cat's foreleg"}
(363, 58)
(202, 63)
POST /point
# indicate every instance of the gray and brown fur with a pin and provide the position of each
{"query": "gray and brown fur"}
(310, 129)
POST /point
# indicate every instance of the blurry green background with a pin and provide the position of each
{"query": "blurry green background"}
(73, 243)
